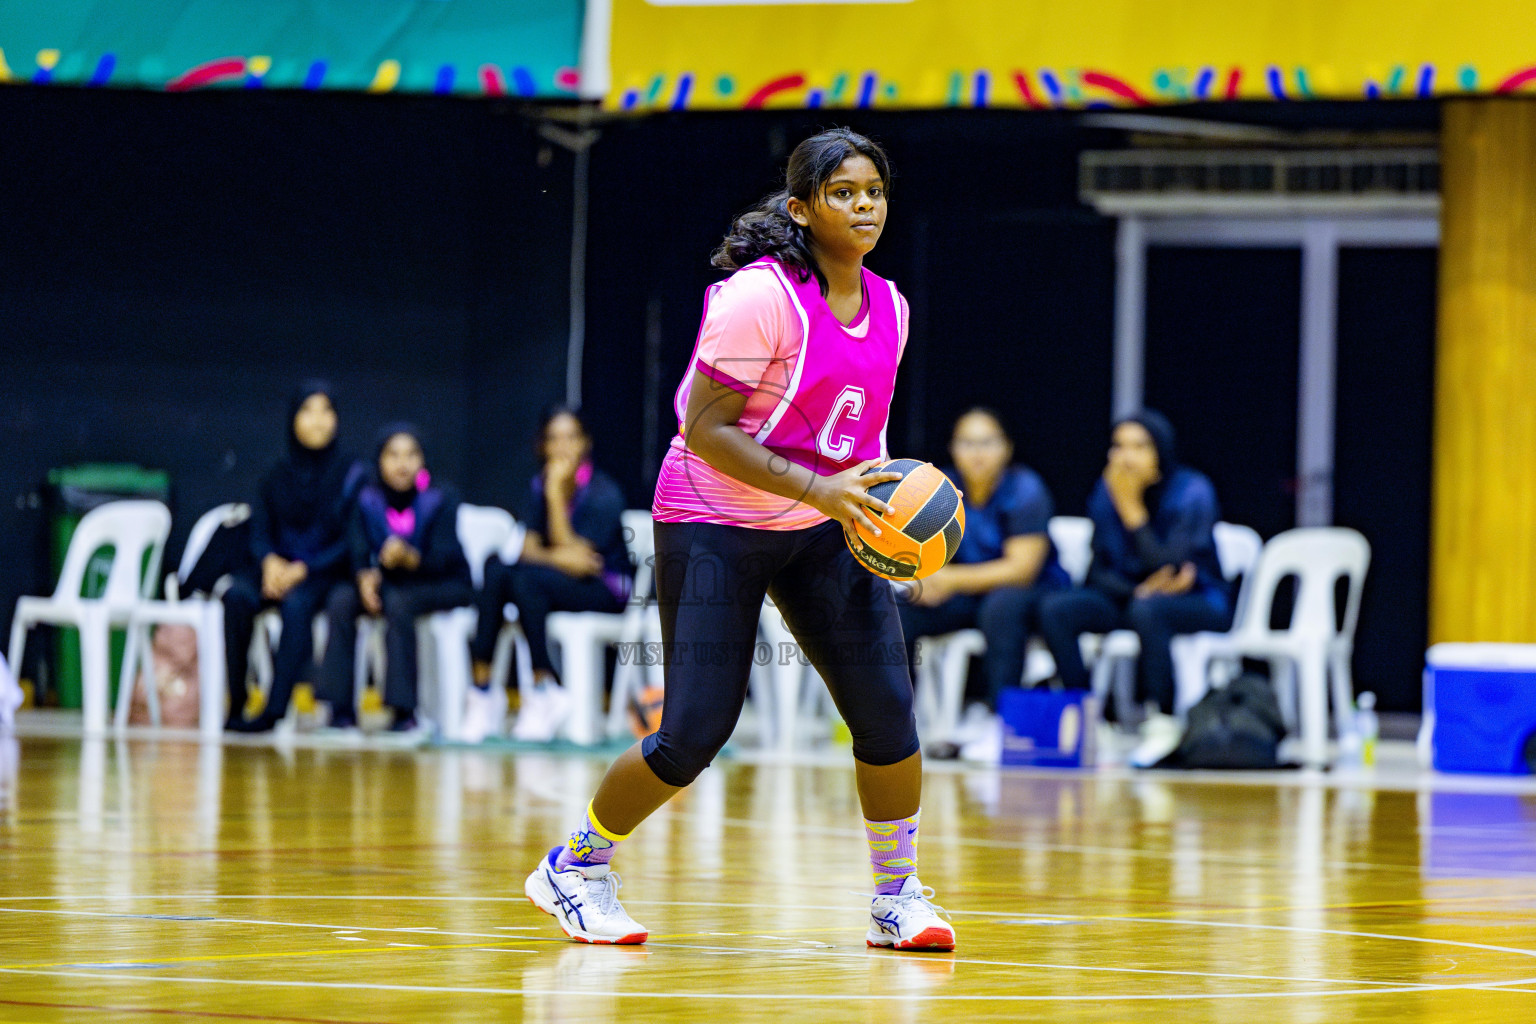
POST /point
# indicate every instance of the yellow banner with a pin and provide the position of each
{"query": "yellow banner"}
(746, 54)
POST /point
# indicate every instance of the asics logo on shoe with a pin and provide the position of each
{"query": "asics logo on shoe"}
(564, 902)
(889, 923)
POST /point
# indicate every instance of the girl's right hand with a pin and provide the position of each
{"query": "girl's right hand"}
(369, 582)
(844, 496)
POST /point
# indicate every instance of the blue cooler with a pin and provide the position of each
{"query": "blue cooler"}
(1048, 728)
(1480, 708)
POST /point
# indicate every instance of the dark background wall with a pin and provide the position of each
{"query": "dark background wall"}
(174, 263)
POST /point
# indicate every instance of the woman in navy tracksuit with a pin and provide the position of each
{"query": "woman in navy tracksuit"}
(1154, 567)
(407, 562)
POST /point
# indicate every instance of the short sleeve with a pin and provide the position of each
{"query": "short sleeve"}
(744, 331)
(1030, 508)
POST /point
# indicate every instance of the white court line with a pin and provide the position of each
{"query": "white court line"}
(776, 996)
(279, 924)
(821, 953)
(1518, 951)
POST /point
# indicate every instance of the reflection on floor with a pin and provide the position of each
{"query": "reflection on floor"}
(153, 877)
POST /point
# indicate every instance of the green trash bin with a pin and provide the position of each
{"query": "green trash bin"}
(72, 492)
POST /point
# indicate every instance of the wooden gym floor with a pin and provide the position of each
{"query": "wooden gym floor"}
(154, 879)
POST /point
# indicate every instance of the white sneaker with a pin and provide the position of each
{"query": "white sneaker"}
(1160, 734)
(908, 920)
(545, 709)
(975, 724)
(585, 900)
(484, 712)
(987, 746)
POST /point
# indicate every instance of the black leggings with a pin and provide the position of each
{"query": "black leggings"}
(1006, 617)
(402, 602)
(294, 659)
(1156, 620)
(710, 583)
(537, 590)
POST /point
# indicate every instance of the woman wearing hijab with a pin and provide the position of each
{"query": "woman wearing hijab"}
(407, 562)
(1154, 569)
(299, 540)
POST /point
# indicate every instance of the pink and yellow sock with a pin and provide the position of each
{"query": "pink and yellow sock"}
(590, 844)
(892, 852)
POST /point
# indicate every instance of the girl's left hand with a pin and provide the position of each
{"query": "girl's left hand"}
(845, 496)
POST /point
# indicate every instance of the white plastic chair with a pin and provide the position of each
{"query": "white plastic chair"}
(11, 698)
(443, 637)
(204, 613)
(1237, 550)
(583, 637)
(946, 659)
(1316, 646)
(136, 532)
(642, 625)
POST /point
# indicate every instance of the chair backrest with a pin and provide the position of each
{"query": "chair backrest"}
(1237, 549)
(640, 538)
(1317, 557)
(136, 533)
(1073, 537)
(202, 532)
(483, 531)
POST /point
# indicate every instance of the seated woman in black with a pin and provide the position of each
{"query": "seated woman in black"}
(405, 552)
(1154, 569)
(299, 545)
(1004, 566)
(573, 559)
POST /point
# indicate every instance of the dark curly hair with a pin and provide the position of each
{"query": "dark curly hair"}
(768, 230)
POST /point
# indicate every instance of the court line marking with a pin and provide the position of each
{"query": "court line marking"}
(167, 1011)
(781, 996)
(291, 924)
(392, 947)
(820, 953)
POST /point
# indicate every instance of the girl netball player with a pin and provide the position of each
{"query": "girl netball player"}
(782, 410)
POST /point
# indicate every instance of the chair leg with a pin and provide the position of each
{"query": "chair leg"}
(452, 649)
(952, 672)
(1191, 671)
(211, 671)
(1343, 691)
(151, 690)
(1312, 695)
(94, 668)
(581, 661)
(132, 654)
(18, 647)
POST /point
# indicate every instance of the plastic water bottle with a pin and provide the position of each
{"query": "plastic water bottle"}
(1367, 727)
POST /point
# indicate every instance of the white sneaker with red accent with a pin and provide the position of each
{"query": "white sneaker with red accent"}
(585, 900)
(909, 920)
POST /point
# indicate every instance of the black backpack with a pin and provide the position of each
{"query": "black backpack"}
(1235, 726)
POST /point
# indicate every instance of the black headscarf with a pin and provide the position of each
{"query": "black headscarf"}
(1165, 441)
(309, 480)
(396, 500)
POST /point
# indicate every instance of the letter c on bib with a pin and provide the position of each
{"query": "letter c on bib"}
(850, 402)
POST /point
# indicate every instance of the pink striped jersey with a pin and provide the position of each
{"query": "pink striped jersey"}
(818, 392)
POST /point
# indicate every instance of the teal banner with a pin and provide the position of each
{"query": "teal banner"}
(526, 48)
